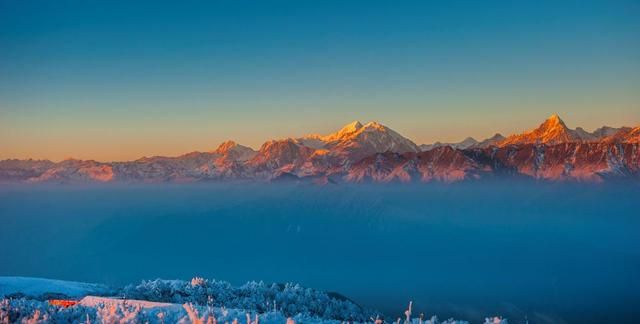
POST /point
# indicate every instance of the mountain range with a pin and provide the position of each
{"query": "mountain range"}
(370, 152)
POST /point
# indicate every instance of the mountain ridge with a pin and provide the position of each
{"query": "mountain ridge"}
(370, 152)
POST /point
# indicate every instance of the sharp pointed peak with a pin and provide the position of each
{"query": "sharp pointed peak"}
(351, 127)
(555, 118)
(553, 121)
(355, 123)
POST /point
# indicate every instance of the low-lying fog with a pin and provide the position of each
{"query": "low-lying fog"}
(564, 252)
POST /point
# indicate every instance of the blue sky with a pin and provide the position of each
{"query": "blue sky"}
(117, 80)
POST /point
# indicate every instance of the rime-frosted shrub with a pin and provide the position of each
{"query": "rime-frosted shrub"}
(36, 312)
(33, 311)
(203, 301)
(290, 299)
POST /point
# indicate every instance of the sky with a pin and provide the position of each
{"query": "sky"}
(118, 80)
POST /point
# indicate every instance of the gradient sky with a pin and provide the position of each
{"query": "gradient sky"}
(111, 80)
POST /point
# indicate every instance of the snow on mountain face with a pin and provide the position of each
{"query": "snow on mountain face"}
(491, 141)
(584, 135)
(428, 147)
(226, 162)
(76, 171)
(280, 153)
(369, 152)
(444, 164)
(319, 141)
(18, 170)
(464, 144)
(467, 143)
(312, 141)
(552, 131)
(346, 132)
(606, 131)
(356, 141)
(624, 135)
(633, 136)
(230, 150)
(593, 162)
(598, 134)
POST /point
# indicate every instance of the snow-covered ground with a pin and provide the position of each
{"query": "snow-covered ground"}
(39, 287)
(25, 300)
(95, 301)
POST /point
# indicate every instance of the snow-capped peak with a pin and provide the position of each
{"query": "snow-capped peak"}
(226, 146)
(234, 151)
(351, 127)
(355, 140)
(344, 132)
(553, 122)
(372, 137)
(554, 118)
(552, 131)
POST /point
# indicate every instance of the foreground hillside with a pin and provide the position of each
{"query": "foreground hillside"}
(370, 152)
(175, 301)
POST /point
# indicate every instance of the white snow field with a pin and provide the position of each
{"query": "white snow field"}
(196, 301)
(35, 287)
(95, 301)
